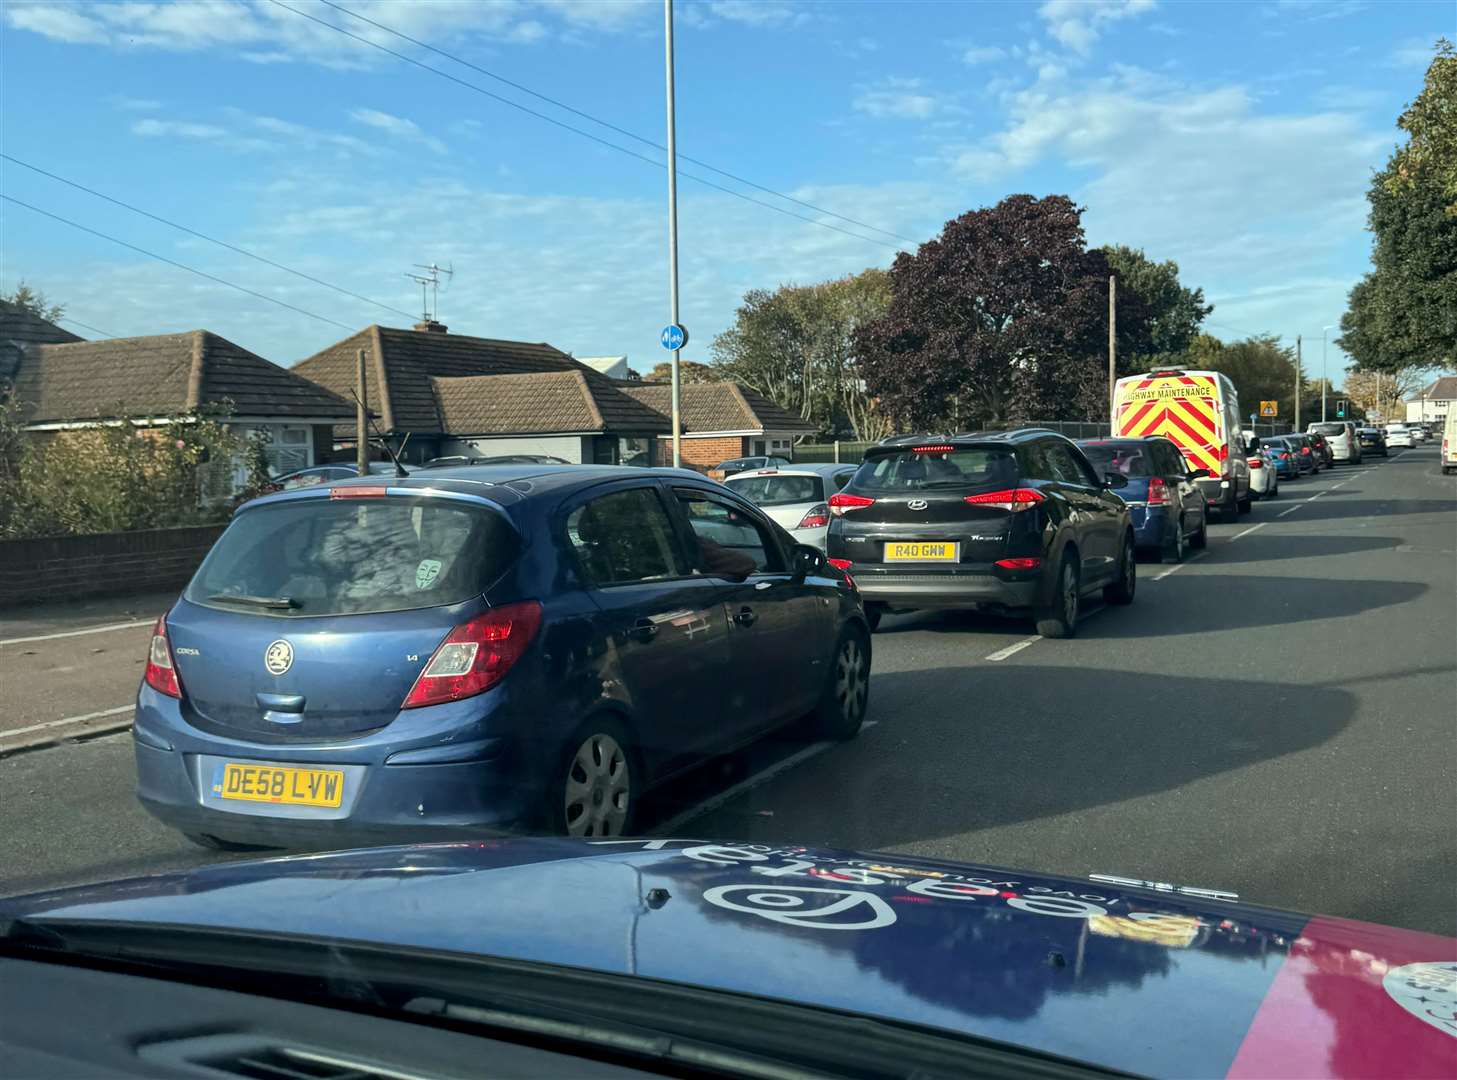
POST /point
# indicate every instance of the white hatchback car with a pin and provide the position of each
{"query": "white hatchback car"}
(795, 496)
(1399, 435)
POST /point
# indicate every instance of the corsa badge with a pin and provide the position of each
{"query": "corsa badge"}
(278, 658)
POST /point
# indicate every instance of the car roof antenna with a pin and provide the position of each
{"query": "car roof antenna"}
(399, 469)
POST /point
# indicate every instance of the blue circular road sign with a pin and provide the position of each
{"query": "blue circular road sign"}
(673, 337)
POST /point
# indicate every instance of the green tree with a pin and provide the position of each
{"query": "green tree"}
(34, 302)
(1174, 311)
(1003, 316)
(1403, 314)
(1430, 153)
(1262, 369)
(689, 371)
(797, 347)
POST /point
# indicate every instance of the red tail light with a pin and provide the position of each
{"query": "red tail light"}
(1305, 449)
(840, 564)
(1019, 564)
(841, 504)
(1256, 463)
(1158, 492)
(1009, 499)
(161, 675)
(816, 517)
(475, 656)
(358, 492)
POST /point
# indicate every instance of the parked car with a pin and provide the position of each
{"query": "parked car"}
(454, 460)
(1286, 457)
(483, 648)
(1399, 435)
(1341, 439)
(1305, 456)
(1373, 440)
(795, 497)
(1169, 512)
(1419, 433)
(1009, 522)
(734, 466)
(323, 474)
(657, 957)
(1320, 451)
(1264, 477)
(1449, 443)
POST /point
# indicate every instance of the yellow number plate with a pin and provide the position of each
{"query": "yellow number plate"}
(922, 552)
(276, 784)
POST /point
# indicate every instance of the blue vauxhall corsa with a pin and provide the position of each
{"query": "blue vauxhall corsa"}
(499, 648)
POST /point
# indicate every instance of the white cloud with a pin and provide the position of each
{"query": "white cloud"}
(984, 54)
(757, 12)
(398, 127)
(899, 98)
(131, 104)
(261, 32)
(178, 129)
(1414, 52)
(1079, 23)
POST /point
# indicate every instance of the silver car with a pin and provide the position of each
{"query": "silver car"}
(795, 496)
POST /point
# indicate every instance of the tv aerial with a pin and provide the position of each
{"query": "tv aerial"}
(429, 283)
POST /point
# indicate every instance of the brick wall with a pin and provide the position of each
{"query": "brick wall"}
(69, 567)
(702, 454)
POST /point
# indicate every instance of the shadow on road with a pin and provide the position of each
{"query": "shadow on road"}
(1389, 509)
(1269, 546)
(1014, 752)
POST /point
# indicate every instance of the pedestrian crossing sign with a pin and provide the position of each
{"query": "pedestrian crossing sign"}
(1269, 408)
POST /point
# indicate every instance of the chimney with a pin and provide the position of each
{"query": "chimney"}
(430, 326)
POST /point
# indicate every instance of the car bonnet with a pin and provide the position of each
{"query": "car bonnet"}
(1145, 977)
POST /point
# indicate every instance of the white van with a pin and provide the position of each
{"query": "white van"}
(1340, 435)
(1449, 442)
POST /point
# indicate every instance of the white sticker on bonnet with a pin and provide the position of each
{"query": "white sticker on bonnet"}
(1428, 991)
(426, 573)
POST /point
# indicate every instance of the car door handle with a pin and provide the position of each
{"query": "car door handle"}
(746, 617)
(644, 630)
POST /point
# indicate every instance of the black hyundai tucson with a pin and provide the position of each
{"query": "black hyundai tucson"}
(1014, 522)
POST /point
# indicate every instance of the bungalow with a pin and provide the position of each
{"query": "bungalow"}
(721, 420)
(169, 377)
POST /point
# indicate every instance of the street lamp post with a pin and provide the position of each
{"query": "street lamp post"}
(675, 393)
(1324, 371)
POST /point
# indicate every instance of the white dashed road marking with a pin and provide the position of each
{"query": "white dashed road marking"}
(1251, 529)
(1177, 567)
(1292, 510)
(68, 720)
(77, 633)
(1012, 650)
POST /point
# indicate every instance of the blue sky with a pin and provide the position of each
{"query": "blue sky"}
(1235, 138)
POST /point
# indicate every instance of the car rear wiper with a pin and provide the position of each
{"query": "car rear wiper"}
(275, 602)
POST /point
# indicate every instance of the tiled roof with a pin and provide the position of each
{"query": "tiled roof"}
(717, 406)
(401, 363)
(19, 324)
(1443, 389)
(164, 375)
(549, 401)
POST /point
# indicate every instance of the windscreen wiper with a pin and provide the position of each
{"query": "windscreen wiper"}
(279, 603)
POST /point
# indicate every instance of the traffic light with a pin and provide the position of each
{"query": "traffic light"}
(1341, 408)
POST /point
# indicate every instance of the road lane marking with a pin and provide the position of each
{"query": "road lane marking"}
(78, 633)
(1012, 650)
(1317, 495)
(733, 791)
(1251, 529)
(1292, 510)
(1177, 567)
(68, 720)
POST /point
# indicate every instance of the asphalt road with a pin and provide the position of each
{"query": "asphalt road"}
(1277, 717)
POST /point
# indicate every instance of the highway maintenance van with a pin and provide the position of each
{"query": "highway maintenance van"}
(1199, 412)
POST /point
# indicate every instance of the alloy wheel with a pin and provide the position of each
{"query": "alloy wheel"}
(598, 788)
(852, 679)
(1069, 595)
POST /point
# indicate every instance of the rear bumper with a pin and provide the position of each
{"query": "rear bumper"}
(812, 537)
(946, 589)
(493, 790)
(1150, 525)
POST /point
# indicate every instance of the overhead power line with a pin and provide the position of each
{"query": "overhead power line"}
(609, 125)
(85, 326)
(174, 262)
(203, 236)
(575, 130)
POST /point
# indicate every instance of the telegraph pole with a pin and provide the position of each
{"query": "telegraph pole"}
(673, 231)
(361, 445)
(1297, 382)
(1112, 341)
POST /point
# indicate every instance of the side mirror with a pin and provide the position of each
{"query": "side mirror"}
(1198, 474)
(1115, 480)
(807, 560)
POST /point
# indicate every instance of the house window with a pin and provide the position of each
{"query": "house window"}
(633, 451)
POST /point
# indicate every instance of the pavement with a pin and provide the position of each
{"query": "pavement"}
(1276, 716)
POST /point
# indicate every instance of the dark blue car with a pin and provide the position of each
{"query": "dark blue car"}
(498, 648)
(650, 958)
(1169, 511)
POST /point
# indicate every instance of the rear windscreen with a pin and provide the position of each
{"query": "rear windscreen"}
(347, 556)
(1130, 459)
(780, 490)
(1329, 429)
(962, 467)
